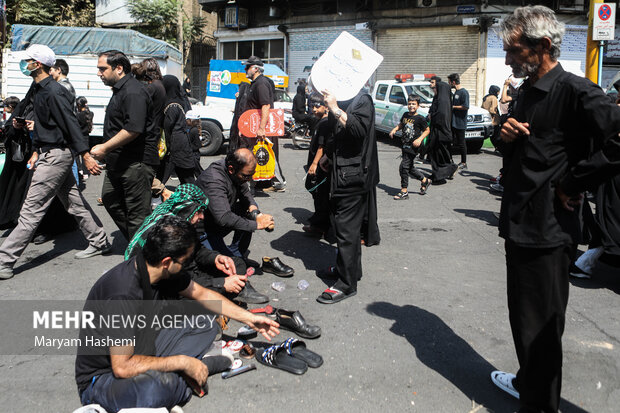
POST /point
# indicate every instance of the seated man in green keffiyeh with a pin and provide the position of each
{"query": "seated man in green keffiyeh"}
(210, 269)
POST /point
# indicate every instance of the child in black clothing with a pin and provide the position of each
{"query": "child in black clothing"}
(414, 130)
(316, 181)
(193, 134)
(85, 120)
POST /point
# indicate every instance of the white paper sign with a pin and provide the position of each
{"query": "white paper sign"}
(604, 22)
(345, 67)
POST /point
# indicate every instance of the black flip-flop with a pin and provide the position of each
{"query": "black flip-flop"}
(297, 349)
(277, 357)
(332, 296)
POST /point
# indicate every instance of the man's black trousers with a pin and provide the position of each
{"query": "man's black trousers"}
(347, 215)
(458, 141)
(537, 299)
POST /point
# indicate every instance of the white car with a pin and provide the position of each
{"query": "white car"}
(390, 99)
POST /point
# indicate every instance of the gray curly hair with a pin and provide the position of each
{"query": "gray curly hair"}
(531, 24)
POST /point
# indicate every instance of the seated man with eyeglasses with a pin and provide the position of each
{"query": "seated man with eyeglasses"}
(233, 208)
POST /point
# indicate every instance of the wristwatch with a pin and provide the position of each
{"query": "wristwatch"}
(253, 214)
(338, 113)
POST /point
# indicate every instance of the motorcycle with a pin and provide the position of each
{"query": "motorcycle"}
(299, 132)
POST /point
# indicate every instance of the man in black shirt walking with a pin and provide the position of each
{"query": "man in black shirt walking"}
(129, 145)
(261, 97)
(561, 140)
(55, 133)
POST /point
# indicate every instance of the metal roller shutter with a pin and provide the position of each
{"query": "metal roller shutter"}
(307, 44)
(439, 50)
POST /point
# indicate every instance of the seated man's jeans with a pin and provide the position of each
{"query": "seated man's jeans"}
(153, 388)
(238, 247)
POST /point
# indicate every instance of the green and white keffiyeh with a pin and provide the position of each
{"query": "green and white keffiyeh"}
(183, 203)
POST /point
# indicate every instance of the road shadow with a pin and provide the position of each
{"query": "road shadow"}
(485, 185)
(473, 174)
(389, 190)
(300, 215)
(481, 215)
(441, 349)
(315, 254)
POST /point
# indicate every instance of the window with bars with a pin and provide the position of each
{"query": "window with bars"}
(270, 51)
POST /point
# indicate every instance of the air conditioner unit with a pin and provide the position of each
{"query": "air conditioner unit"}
(236, 17)
(427, 3)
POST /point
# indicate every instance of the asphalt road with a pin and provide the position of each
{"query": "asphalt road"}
(424, 332)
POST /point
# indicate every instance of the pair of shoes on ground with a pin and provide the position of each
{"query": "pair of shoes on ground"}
(277, 267)
(291, 356)
(92, 251)
(462, 166)
(295, 322)
(497, 187)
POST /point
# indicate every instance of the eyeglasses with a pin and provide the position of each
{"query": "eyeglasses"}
(246, 177)
(316, 105)
(248, 67)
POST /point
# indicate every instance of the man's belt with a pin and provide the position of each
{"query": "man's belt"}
(47, 148)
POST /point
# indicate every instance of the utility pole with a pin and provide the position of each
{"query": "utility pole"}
(592, 47)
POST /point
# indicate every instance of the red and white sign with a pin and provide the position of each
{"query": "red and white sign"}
(604, 21)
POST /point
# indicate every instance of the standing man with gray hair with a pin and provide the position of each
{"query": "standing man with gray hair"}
(561, 140)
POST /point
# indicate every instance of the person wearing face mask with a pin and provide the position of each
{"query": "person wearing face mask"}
(129, 147)
(56, 133)
(232, 208)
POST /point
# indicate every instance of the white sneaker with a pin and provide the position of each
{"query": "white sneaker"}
(92, 251)
(504, 381)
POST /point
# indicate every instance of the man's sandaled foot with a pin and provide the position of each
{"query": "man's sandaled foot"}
(401, 195)
(333, 295)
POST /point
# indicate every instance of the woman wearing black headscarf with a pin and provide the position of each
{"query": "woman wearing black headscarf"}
(441, 135)
(177, 141)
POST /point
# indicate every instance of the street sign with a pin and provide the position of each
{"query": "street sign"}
(604, 21)
(465, 9)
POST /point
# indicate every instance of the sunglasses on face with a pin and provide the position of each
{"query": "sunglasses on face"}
(316, 105)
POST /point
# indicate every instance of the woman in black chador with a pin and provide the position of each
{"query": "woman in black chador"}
(441, 134)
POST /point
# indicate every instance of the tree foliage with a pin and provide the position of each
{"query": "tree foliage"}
(58, 13)
(160, 19)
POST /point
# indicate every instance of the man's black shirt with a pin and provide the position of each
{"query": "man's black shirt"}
(125, 284)
(55, 124)
(228, 200)
(130, 108)
(573, 143)
(261, 93)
